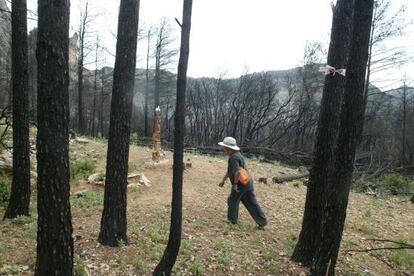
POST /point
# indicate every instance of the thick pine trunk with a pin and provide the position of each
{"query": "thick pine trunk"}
(54, 236)
(20, 190)
(352, 120)
(114, 221)
(171, 251)
(327, 132)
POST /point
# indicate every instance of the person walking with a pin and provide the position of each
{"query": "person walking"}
(239, 191)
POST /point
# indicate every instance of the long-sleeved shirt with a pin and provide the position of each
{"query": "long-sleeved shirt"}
(236, 160)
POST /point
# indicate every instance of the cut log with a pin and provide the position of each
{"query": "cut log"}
(82, 140)
(132, 175)
(79, 193)
(287, 178)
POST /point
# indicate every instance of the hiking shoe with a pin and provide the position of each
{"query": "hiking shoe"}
(261, 227)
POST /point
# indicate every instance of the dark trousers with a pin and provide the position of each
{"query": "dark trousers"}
(248, 198)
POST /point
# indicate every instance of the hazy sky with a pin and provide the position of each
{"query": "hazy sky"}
(237, 35)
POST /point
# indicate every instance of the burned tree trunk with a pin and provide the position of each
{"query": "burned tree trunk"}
(327, 132)
(20, 190)
(171, 251)
(352, 120)
(113, 222)
(54, 235)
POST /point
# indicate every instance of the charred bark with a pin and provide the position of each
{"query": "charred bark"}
(113, 222)
(54, 234)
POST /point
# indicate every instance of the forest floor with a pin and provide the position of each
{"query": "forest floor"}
(210, 246)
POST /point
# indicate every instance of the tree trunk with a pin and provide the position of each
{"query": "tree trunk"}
(326, 133)
(113, 222)
(95, 92)
(82, 32)
(20, 190)
(81, 121)
(404, 125)
(146, 132)
(54, 235)
(157, 78)
(101, 105)
(352, 120)
(171, 251)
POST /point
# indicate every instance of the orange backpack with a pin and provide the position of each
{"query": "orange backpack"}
(242, 176)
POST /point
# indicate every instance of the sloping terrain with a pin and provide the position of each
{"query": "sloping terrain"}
(210, 246)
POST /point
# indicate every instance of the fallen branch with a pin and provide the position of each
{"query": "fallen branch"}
(281, 179)
(396, 242)
(380, 248)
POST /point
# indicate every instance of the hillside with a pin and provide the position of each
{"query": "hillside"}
(210, 246)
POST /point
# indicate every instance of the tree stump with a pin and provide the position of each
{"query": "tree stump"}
(156, 137)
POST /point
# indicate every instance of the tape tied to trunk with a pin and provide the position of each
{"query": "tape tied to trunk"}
(332, 70)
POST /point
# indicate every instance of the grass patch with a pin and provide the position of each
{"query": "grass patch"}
(30, 232)
(132, 167)
(296, 183)
(79, 270)
(157, 234)
(195, 266)
(89, 200)
(120, 243)
(120, 261)
(269, 254)
(221, 244)
(2, 251)
(352, 241)
(100, 176)
(185, 247)
(78, 267)
(223, 259)
(367, 214)
(82, 168)
(402, 258)
(277, 163)
(139, 265)
(396, 184)
(223, 248)
(367, 229)
(291, 240)
(156, 252)
(24, 219)
(5, 182)
(274, 268)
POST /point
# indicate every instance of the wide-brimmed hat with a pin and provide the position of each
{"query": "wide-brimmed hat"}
(229, 142)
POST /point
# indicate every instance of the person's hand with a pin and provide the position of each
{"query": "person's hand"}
(221, 184)
(235, 188)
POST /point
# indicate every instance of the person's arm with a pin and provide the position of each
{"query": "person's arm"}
(221, 184)
(233, 168)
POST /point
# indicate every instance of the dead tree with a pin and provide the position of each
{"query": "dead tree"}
(171, 251)
(146, 131)
(327, 132)
(352, 120)
(385, 26)
(95, 91)
(114, 220)
(85, 21)
(20, 189)
(54, 235)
